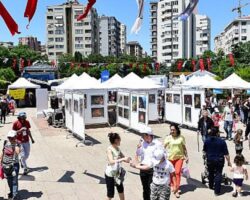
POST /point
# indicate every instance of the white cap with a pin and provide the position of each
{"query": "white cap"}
(204, 104)
(216, 110)
(146, 130)
(158, 154)
(11, 134)
(230, 101)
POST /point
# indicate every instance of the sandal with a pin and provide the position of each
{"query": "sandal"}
(177, 195)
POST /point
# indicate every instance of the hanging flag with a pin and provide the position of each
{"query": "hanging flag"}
(157, 67)
(137, 66)
(189, 10)
(86, 10)
(131, 65)
(202, 66)
(231, 58)
(14, 64)
(138, 22)
(72, 65)
(145, 67)
(29, 62)
(179, 65)
(209, 64)
(53, 63)
(21, 64)
(193, 65)
(9, 21)
(30, 10)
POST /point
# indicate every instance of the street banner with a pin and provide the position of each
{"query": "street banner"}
(17, 94)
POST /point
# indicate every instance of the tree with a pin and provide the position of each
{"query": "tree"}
(78, 57)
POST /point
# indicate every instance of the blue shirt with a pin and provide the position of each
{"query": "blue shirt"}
(215, 149)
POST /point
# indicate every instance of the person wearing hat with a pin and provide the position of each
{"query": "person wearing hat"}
(216, 117)
(163, 169)
(177, 153)
(144, 155)
(228, 119)
(10, 162)
(204, 108)
(22, 127)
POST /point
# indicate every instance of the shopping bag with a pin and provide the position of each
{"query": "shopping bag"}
(1, 172)
(185, 172)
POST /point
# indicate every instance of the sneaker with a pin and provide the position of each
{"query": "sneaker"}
(10, 196)
(235, 194)
(240, 194)
(26, 171)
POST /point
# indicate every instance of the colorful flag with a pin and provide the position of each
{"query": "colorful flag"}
(189, 10)
(179, 65)
(138, 22)
(202, 66)
(231, 58)
(209, 64)
(30, 9)
(86, 10)
(193, 65)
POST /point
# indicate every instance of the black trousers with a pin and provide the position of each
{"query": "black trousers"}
(247, 129)
(215, 169)
(3, 116)
(146, 180)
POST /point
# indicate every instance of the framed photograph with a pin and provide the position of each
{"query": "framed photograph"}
(188, 114)
(120, 100)
(134, 103)
(97, 100)
(85, 101)
(76, 106)
(177, 98)
(126, 113)
(188, 99)
(125, 100)
(97, 112)
(142, 117)
(151, 98)
(197, 101)
(70, 106)
(169, 98)
(66, 104)
(81, 107)
(120, 111)
(143, 102)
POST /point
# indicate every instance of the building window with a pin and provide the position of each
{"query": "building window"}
(59, 46)
(58, 9)
(50, 32)
(244, 38)
(86, 23)
(59, 32)
(59, 53)
(243, 30)
(79, 46)
(51, 53)
(243, 23)
(88, 46)
(50, 39)
(79, 31)
(79, 24)
(60, 39)
(87, 31)
(50, 17)
(78, 38)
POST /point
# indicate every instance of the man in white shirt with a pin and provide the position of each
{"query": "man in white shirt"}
(144, 156)
(228, 119)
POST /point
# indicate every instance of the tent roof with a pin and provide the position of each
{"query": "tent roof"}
(234, 82)
(68, 83)
(202, 81)
(22, 83)
(200, 73)
(113, 82)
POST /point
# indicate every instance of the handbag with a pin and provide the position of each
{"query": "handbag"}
(185, 172)
(1, 172)
(8, 169)
(121, 176)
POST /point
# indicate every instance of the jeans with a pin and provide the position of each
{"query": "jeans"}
(177, 166)
(228, 126)
(203, 137)
(3, 116)
(13, 181)
(247, 129)
(25, 152)
(215, 169)
(146, 180)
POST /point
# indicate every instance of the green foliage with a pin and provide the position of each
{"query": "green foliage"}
(228, 72)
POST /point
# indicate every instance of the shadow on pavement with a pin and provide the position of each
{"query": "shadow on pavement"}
(26, 178)
(66, 178)
(25, 194)
(38, 169)
(93, 140)
(192, 185)
(101, 179)
(135, 173)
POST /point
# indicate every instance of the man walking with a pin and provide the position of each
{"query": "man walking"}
(216, 151)
(144, 155)
(22, 127)
(204, 125)
(228, 119)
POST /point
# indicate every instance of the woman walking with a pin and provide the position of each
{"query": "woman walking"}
(114, 171)
(10, 162)
(176, 148)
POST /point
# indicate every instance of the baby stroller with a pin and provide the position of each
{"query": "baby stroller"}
(204, 175)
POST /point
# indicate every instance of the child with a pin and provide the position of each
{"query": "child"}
(238, 140)
(239, 170)
(216, 117)
(163, 169)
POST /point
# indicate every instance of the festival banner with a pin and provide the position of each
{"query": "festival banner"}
(17, 94)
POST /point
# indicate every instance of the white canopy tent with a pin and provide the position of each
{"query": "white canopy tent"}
(113, 82)
(67, 84)
(234, 82)
(202, 82)
(23, 83)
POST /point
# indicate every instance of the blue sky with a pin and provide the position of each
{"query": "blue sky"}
(124, 10)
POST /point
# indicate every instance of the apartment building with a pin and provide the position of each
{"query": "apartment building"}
(31, 42)
(133, 48)
(67, 35)
(123, 36)
(110, 36)
(172, 38)
(237, 31)
(203, 36)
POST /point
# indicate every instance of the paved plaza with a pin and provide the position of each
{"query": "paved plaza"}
(62, 171)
